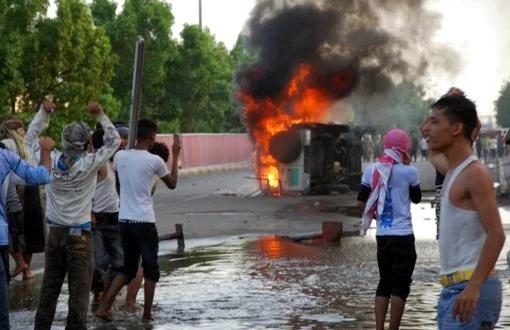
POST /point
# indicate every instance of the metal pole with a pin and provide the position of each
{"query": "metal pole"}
(135, 93)
(200, 14)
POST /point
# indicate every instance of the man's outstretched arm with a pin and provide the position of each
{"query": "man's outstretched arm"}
(31, 175)
(40, 122)
(170, 179)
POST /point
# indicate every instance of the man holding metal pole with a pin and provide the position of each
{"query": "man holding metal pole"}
(136, 168)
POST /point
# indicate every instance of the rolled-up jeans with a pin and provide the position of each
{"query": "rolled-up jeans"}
(487, 309)
(108, 254)
(67, 252)
(4, 302)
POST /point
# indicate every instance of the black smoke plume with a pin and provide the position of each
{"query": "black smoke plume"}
(357, 47)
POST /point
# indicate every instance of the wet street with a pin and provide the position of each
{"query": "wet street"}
(265, 282)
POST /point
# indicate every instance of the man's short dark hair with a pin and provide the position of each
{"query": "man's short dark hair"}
(97, 138)
(161, 150)
(458, 108)
(146, 129)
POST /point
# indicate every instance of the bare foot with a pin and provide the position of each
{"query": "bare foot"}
(130, 307)
(18, 270)
(103, 314)
(147, 318)
(96, 301)
(28, 275)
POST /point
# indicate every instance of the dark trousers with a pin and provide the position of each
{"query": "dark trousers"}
(71, 254)
(17, 231)
(140, 240)
(4, 255)
(396, 257)
(4, 302)
(108, 254)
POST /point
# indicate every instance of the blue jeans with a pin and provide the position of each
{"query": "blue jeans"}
(487, 310)
(4, 302)
(108, 254)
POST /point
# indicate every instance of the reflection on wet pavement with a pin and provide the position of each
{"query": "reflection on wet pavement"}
(273, 283)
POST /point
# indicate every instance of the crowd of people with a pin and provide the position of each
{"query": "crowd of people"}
(470, 232)
(488, 147)
(99, 214)
(101, 222)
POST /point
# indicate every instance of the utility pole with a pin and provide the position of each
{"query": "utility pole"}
(200, 14)
(135, 94)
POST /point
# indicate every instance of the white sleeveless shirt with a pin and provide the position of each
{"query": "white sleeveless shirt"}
(106, 198)
(461, 235)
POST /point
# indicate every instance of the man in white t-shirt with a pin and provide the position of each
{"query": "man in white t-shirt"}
(387, 189)
(136, 168)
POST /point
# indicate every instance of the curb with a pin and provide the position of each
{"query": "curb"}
(223, 168)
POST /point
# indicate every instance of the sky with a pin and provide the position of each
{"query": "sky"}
(477, 30)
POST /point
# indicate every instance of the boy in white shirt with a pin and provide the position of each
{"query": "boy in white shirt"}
(387, 189)
(136, 168)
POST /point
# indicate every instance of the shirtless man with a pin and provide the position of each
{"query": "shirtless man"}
(471, 235)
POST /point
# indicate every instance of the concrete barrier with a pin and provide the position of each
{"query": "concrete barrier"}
(203, 150)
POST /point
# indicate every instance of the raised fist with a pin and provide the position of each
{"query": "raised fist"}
(176, 146)
(48, 106)
(94, 108)
(46, 143)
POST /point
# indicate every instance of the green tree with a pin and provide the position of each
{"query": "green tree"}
(240, 56)
(71, 61)
(240, 53)
(503, 106)
(103, 13)
(17, 19)
(200, 82)
(152, 19)
(404, 106)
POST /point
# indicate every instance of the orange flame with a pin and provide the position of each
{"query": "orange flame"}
(300, 102)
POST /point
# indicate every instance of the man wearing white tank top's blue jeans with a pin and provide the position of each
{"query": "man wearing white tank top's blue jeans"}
(470, 235)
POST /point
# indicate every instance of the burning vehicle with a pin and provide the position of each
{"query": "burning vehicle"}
(315, 158)
(295, 152)
(310, 57)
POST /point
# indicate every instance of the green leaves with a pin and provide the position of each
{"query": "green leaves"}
(200, 81)
(403, 106)
(503, 106)
(86, 53)
(69, 60)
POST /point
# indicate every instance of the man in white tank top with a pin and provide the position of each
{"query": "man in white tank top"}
(470, 235)
(108, 255)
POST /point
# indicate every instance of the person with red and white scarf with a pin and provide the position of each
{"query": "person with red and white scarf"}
(387, 189)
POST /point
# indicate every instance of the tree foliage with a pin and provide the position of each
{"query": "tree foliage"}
(200, 84)
(503, 106)
(403, 106)
(17, 19)
(86, 53)
(70, 60)
(152, 20)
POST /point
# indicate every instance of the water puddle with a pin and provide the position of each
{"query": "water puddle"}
(272, 283)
